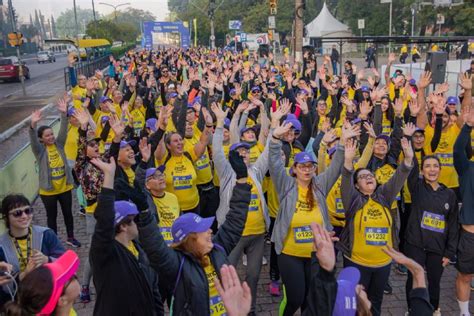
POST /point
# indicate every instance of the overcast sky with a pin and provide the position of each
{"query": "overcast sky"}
(159, 8)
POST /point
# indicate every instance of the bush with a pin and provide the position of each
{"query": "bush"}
(118, 52)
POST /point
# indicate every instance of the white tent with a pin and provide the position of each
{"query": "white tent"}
(326, 25)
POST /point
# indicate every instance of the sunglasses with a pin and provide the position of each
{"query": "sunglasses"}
(18, 212)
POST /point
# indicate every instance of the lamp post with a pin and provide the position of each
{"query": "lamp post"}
(115, 7)
(95, 19)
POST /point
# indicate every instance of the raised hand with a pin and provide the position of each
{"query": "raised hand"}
(329, 136)
(371, 81)
(324, 246)
(350, 150)
(370, 130)
(145, 149)
(107, 168)
(409, 129)
(398, 107)
(365, 108)
(425, 80)
(407, 151)
(282, 130)
(218, 112)
(284, 109)
(117, 126)
(391, 58)
(414, 107)
(349, 131)
(442, 88)
(207, 116)
(236, 297)
(35, 118)
(465, 81)
(439, 103)
(62, 105)
(82, 117)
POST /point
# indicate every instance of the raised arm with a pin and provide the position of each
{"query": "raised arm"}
(461, 161)
(36, 146)
(423, 83)
(62, 135)
(466, 84)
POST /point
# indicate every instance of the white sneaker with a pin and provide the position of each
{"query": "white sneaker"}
(264, 261)
(244, 260)
(437, 312)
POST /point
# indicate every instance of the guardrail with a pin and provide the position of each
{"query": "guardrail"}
(87, 69)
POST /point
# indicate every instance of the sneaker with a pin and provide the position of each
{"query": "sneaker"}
(437, 312)
(388, 289)
(264, 261)
(73, 242)
(82, 211)
(244, 260)
(401, 269)
(85, 294)
(274, 288)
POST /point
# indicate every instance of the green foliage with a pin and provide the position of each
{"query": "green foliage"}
(132, 16)
(65, 24)
(121, 31)
(28, 30)
(118, 52)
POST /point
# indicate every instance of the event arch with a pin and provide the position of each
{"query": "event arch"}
(165, 33)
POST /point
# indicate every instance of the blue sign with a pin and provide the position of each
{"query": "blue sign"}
(164, 27)
(235, 24)
(243, 37)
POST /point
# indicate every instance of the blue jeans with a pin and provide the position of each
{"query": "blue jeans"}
(334, 66)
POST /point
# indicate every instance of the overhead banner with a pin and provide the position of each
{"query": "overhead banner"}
(164, 33)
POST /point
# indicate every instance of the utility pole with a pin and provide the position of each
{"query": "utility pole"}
(212, 9)
(95, 19)
(299, 11)
(75, 21)
(12, 18)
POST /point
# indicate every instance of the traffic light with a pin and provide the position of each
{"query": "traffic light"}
(15, 39)
(273, 7)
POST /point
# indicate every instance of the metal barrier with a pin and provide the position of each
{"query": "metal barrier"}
(87, 69)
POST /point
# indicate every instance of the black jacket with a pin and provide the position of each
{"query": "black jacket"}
(441, 202)
(124, 285)
(465, 170)
(183, 271)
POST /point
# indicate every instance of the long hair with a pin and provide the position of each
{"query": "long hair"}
(33, 294)
(188, 244)
(309, 194)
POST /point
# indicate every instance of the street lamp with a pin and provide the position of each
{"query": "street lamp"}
(115, 7)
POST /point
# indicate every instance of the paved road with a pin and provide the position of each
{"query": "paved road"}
(41, 77)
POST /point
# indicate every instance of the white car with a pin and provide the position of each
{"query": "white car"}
(45, 56)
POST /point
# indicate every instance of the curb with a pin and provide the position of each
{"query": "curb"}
(12, 130)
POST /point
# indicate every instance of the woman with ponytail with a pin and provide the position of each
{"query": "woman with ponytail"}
(302, 197)
(48, 290)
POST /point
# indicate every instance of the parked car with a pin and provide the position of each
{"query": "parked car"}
(10, 69)
(45, 56)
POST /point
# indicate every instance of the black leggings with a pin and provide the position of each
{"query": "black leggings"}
(209, 202)
(374, 281)
(434, 270)
(296, 276)
(51, 205)
(404, 215)
(274, 271)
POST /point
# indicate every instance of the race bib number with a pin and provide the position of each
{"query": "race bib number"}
(446, 160)
(217, 306)
(107, 146)
(57, 173)
(386, 129)
(303, 234)
(253, 206)
(202, 163)
(433, 222)
(376, 236)
(339, 206)
(182, 182)
(166, 233)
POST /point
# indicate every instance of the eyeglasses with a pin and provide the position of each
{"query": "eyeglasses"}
(366, 176)
(306, 167)
(93, 143)
(157, 176)
(18, 212)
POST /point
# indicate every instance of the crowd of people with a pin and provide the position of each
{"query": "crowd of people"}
(187, 162)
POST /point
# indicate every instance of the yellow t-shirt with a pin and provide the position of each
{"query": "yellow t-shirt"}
(23, 257)
(372, 231)
(299, 239)
(382, 175)
(448, 175)
(406, 191)
(130, 175)
(202, 164)
(58, 172)
(181, 180)
(167, 209)
(293, 153)
(255, 152)
(386, 125)
(215, 301)
(138, 118)
(334, 202)
(70, 148)
(79, 93)
(255, 223)
(131, 247)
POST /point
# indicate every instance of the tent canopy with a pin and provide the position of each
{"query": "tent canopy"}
(325, 24)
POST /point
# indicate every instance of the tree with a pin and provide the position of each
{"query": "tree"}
(29, 31)
(65, 24)
(53, 27)
(112, 31)
(132, 16)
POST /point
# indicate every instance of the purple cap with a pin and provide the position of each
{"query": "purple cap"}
(452, 100)
(346, 298)
(171, 95)
(104, 99)
(245, 129)
(386, 138)
(124, 209)
(232, 91)
(304, 157)
(196, 100)
(124, 143)
(190, 223)
(290, 116)
(294, 124)
(303, 91)
(226, 123)
(104, 119)
(412, 82)
(365, 89)
(152, 171)
(151, 124)
(71, 111)
(239, 145)
(274, 70)
(331, 151)
(344, 92)
(255, 89)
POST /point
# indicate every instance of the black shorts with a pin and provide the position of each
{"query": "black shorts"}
(465, 262)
